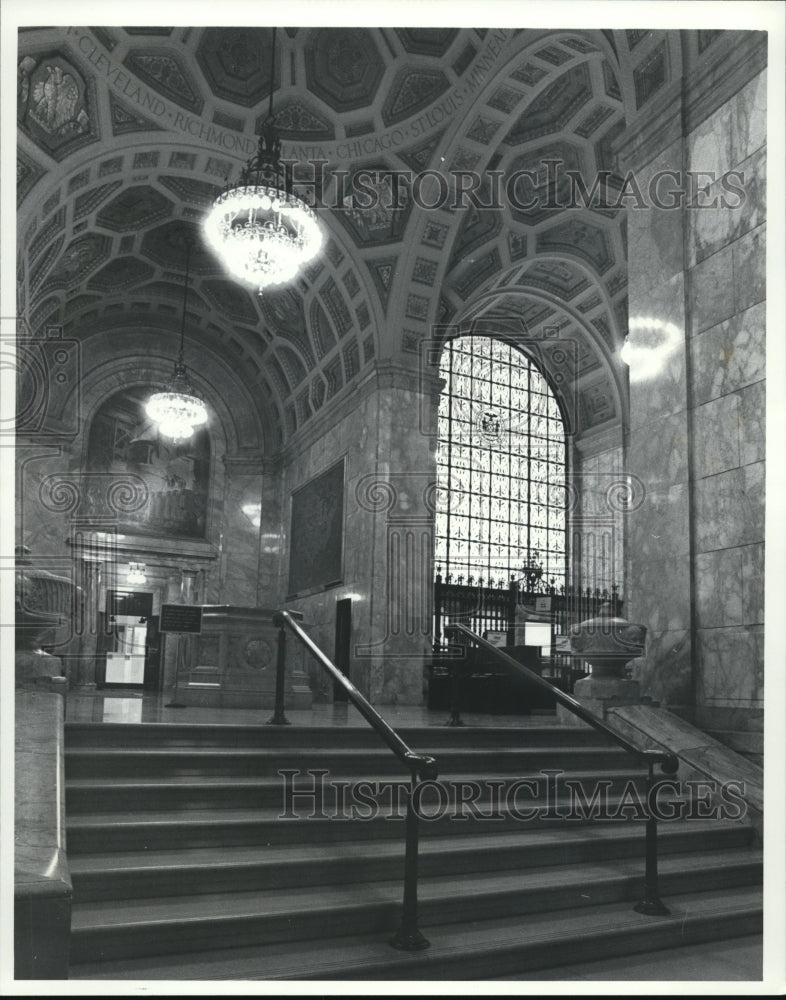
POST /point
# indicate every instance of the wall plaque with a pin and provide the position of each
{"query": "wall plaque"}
(317, 532)
(181, 618)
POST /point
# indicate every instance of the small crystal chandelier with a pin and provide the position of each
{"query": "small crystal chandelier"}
(262, 232)
(178, 410)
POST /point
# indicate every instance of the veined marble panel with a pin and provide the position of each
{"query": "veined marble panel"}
(658, 451)
(732, 133)
(730, 355)
(752, 414)
(753, 584)
(730, 508)
(750, 277)
(710, 292)
(241, 541)
(749, 118)
(731, 666)
(665, 672)
(726, 216)
(716, 436)
(655, 235)
(719, 588)
(659, 528)
(660, 595)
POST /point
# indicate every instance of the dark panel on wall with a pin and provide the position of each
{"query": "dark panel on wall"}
(317, 532)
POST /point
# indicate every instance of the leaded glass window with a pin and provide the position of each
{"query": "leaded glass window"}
(500, 466)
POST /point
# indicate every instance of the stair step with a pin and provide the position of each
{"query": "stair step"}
(213, 761)
(107, 734)
(149, 873)
(102, 794)
(131, 927)
(466, 949)
(213, 827)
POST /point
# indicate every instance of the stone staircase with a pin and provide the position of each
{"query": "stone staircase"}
(189, 862)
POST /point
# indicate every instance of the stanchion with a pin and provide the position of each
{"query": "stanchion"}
(278, 718)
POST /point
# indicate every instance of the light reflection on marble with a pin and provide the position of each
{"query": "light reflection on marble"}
(662, 393)
(240, 550)
(730, 355)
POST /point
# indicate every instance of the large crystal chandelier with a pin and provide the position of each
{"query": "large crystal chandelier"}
(178, 409)
(263, 233)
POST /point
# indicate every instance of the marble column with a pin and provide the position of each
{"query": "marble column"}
(270, 580)
(239, 560)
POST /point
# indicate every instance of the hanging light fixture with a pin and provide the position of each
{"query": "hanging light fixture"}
(263, 233)
(178, 410)
(136, 573)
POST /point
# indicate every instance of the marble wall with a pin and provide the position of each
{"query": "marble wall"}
(726, 342)
(696, 440)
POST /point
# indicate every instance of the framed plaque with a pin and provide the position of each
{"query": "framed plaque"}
(316, 535)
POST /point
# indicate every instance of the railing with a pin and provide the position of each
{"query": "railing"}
(494, 606)
(408, 937)
(651, 904)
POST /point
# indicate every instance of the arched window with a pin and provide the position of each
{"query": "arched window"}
(500, 466)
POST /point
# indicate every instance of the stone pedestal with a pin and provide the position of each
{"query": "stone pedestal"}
(233, 662)
(599, 694)
(607, 644)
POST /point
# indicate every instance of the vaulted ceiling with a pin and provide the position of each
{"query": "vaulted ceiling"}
(127, 134)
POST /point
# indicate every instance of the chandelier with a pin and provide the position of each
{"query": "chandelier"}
(178, 409)
(263, 233)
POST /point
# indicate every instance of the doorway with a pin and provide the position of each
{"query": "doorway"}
(341, 655)
(131, 647)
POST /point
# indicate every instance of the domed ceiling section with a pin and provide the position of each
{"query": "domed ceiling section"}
(126, 135)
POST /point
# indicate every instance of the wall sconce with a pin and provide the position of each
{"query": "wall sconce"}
(136, 573)
(648, 350)
(253, 512)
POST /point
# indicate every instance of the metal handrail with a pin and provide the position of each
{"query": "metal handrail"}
(651, 904)
(421, 766)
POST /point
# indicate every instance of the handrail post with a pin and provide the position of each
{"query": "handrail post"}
(651, 905)
(455, 697)
(408, 937)
(278, 718)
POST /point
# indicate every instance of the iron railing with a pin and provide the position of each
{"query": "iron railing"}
(651, 904)
(420, 766)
